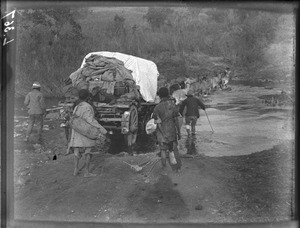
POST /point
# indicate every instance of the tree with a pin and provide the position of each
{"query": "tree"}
(49, 47)
(116, 29)
(217, 15)
(157, 16)
(247, 35)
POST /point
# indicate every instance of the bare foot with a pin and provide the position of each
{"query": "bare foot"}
(75, 172)
(68, 152)
(89, 175)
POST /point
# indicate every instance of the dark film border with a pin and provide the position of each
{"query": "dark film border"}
(8, 63)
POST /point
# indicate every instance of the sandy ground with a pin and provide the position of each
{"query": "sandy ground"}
(242, 172)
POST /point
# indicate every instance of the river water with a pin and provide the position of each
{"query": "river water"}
(242, 125)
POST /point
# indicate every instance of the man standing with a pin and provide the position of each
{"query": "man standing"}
(192, 113)
(35, 102)
(83, 145)
(166, 115)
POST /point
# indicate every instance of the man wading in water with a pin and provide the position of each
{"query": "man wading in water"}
(192, 111)
(166, 116)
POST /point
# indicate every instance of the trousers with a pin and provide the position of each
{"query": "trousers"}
(191, 120)
(171, 146)
(38, 120)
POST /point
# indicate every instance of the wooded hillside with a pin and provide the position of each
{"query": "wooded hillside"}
(181, 41)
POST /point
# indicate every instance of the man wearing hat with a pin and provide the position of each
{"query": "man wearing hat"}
(35, 103)
(192, 111)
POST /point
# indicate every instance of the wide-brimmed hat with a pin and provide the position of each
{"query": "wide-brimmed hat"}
(189, 93)
(36, 85)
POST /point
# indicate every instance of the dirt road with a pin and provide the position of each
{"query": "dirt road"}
(244, 172)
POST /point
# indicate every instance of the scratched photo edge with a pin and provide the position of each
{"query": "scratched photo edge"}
(10, 106)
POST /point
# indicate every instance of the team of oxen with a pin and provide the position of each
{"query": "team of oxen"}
(201, 86)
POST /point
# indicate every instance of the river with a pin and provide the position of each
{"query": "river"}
(242, 125)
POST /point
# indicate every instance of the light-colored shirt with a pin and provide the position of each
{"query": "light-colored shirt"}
(35, 101)
(179, 95)
(86, 112)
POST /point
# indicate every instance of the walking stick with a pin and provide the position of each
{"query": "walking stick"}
(209, 121)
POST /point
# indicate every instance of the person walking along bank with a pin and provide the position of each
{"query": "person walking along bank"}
(81, 144)
(35, 103)
(192, 111)
(166, 116)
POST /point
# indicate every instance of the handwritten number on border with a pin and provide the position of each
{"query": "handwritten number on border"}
(12, 13)
(8, 26)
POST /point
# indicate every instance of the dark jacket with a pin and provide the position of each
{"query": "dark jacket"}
(192, 106)
(35, 101)
(166, 111)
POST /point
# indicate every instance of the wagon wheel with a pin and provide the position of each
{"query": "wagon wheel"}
(130, 138)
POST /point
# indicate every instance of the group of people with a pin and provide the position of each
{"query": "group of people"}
(82, 145)
(222, 79)
(166, 113)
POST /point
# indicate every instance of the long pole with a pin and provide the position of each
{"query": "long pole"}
(209, 121)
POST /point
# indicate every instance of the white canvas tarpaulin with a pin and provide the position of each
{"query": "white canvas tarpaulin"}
(144, 72)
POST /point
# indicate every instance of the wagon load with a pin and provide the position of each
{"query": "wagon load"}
(123, 89)
(112, 76)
